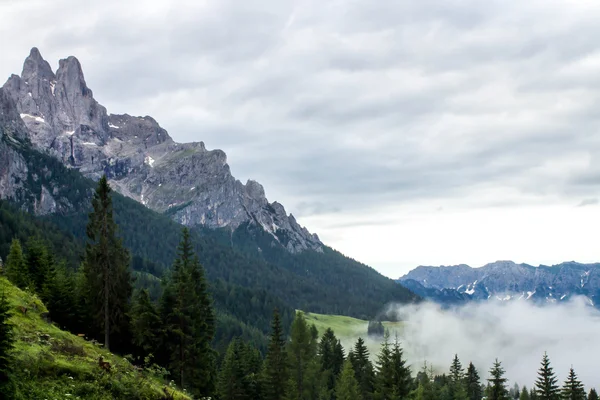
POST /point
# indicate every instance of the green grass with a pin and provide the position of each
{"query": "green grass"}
(51, 363)
(347, 327)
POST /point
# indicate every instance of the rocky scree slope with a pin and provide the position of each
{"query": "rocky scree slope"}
(185, 180)
(506, 280)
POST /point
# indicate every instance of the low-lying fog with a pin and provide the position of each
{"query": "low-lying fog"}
(515, 332)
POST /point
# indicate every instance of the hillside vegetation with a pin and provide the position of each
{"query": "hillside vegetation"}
(51, 363)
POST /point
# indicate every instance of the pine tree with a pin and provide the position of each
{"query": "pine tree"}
(524, 394)
(16, 268)
(189, 322)
(331, 356)
(593, 395)
(384, 381)
(473, 383)
(457, 388)
(497, 388)
(6, 348)
(363, 369)
(39, 263)
(573, 388)
(231, 382)
(146, 325)
(347, 386)
(546, 384)
(301, 354)
(106, 266)
(275, 374)
(60, 297)
(402, 373)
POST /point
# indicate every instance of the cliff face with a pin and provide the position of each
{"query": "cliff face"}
(58, 114)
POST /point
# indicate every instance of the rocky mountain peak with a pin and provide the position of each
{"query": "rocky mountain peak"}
(35, 67)
(192, 184)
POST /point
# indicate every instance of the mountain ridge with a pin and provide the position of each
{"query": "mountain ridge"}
(193, 184)
(507, 280)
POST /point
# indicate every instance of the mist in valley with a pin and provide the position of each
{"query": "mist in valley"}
(517, 333)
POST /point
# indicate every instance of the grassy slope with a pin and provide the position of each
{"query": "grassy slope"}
(51, 363)
(346, 327)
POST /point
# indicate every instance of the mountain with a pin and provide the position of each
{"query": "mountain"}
(253, 265)
(192, 184)
(505, 280)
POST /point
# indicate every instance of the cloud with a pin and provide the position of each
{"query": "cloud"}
(348, 108)
(588, 202)
(517, 333)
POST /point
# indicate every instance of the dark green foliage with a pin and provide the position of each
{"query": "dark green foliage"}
(593, 395)
(546, 383)
(473, 383)
(402, 374)
(347, 387)
(524, 394)
(384, 381)
(363, 369)
(239, 374)
(6, 348)
(331, 357)
(189, 322)
(302, 350)
(376, 329)
(497, 383)
(60, 297)
(16, 268)
(573, 388)
(106, 267)
(39, 262)
(146, 325)
(275, 369)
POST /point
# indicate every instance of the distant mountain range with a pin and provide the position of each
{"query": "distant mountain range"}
(505, 281)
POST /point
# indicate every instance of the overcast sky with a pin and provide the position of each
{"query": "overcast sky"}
(403, 132)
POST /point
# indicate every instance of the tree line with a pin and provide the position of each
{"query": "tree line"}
(177, 331)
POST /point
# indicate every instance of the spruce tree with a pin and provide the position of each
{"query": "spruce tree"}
(473, 383)
(593, 395)
(402, 374)
(231, 381)
(524, 394)
(546, 384)
(301, 356)
(106, 266)
(331, 357)
(16, 268)
(60, 297)
(189, 322)
(384, 381)
(573, 388)
(363, 369)
(347, 386)
(457, 385)
(497, 383)
(146, 325)
(39, 263)
(275, 371)
(6, 348)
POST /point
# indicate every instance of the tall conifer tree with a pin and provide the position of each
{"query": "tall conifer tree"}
(402, 374)
(106, 266)
(16, 267)
(473, 383)
(189, 322)
(146, 325)
(573, 388)
(301, 355)
(347, 387)
(363, 369)
(593, 395)
(546, 383)
(384, 381)
(497, 388)
(275, 371)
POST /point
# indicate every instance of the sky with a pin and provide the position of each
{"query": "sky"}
(402, 132)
